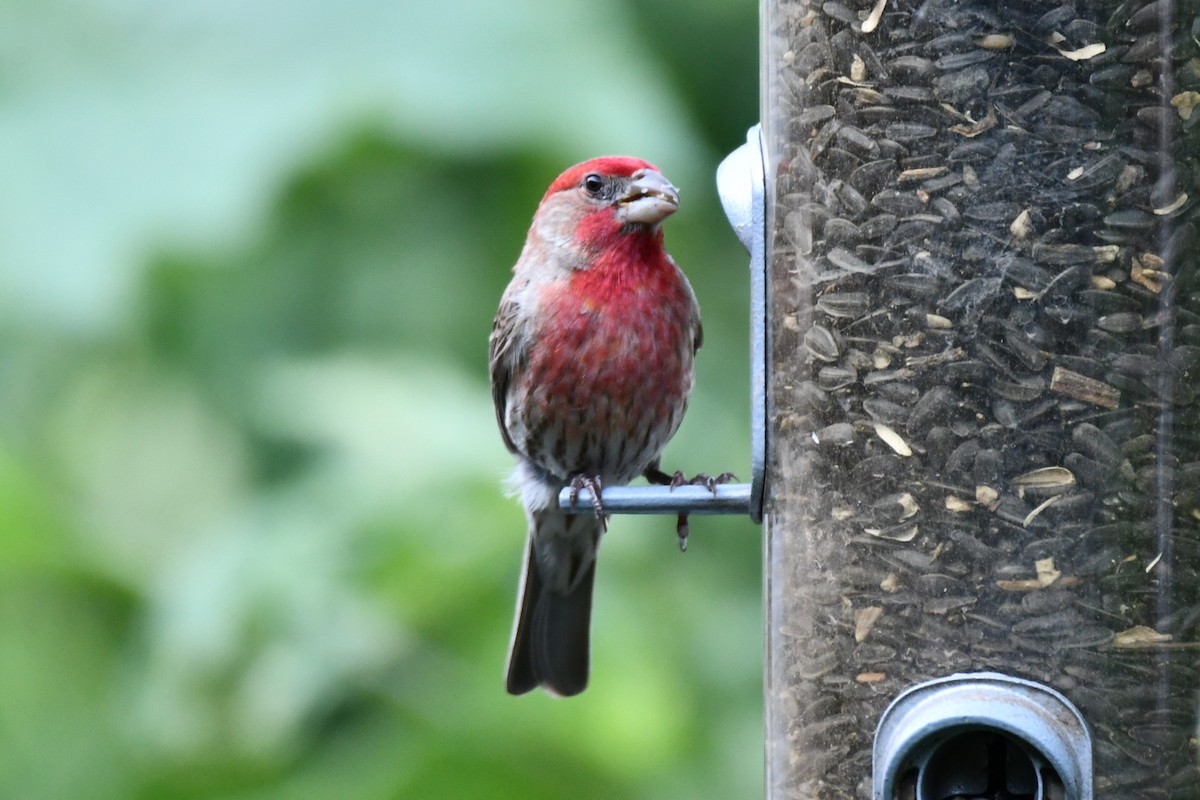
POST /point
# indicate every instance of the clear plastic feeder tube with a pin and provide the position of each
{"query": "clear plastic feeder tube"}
(985, 317)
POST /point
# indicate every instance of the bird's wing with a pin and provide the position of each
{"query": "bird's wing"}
(698, 336)
(504, 359)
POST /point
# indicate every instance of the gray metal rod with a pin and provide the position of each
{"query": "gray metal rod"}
(730, 498)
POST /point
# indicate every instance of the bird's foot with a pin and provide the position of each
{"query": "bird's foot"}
(702, 479)
(595, 486)
(654, 474)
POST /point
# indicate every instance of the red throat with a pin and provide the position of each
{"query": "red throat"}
(601, 232)
(633, 260)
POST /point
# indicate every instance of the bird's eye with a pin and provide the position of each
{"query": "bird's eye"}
(593, 183)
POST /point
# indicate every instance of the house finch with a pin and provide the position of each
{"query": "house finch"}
(591, 364)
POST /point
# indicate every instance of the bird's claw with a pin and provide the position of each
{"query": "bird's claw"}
(708, 482)
(655, 475)
(702, 479)
(595, 486)
(682, 530)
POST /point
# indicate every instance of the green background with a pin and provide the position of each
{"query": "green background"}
(252, 538)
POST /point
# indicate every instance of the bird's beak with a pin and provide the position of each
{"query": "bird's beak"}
(648, 199)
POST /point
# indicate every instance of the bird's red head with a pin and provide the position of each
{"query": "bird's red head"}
(609, 166)
(598, 199)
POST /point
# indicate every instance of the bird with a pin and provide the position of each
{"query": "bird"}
(591, 362)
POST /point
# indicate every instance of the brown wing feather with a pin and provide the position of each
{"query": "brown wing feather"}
(503, 360)
(698, 337)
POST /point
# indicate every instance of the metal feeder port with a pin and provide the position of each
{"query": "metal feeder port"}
(982, 735)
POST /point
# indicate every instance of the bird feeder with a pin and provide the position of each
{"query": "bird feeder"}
(983, 505)
(975, 365)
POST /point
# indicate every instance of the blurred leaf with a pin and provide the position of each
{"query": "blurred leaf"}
(32, 533)
(255, 637)
(147, 464)
(60, 723)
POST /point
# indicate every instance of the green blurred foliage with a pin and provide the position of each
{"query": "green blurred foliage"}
(252, 538)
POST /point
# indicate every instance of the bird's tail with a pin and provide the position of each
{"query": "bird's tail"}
(550, 644)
